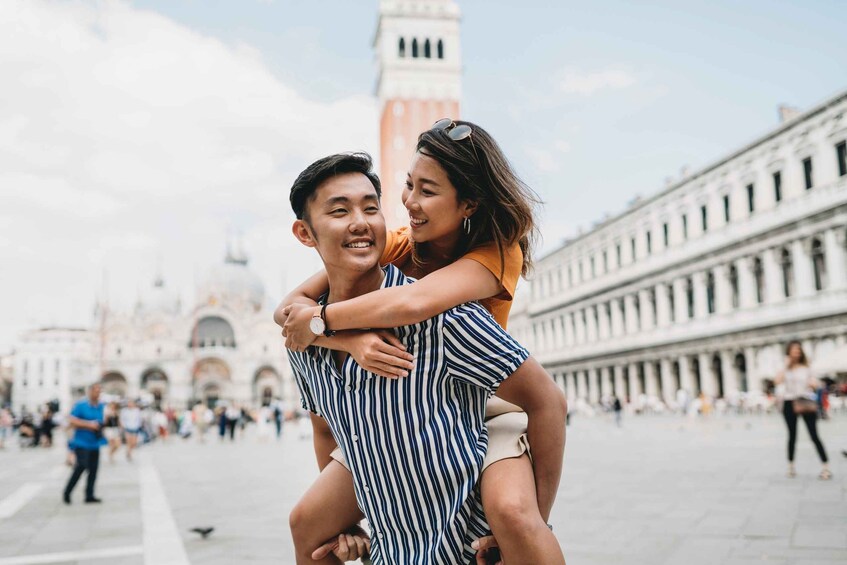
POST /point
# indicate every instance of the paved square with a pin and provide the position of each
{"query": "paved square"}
(659, 490)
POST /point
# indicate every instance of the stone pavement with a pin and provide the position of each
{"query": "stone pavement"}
(660, 490)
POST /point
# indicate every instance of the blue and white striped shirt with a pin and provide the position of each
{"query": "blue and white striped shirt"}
(415, 445)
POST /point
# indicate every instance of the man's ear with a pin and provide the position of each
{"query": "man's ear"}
(301, 231)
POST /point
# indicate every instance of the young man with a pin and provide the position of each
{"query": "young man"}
(87, 420)
(415, 446)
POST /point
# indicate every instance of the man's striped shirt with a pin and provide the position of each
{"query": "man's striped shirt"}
(415, 445)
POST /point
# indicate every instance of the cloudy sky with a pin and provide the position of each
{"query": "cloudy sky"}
(134, 136)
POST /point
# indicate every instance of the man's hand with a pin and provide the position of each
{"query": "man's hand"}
(298, 334)
(348, 546)
(487, 551)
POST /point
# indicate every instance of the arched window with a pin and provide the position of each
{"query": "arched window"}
(710, 292)
(759, 275)
(787, 273)
(440, 49)
(212, 331)
(415, 48)
(819, 264)
(402, 47)
(689, 295)
(427, 49)
(733, 285)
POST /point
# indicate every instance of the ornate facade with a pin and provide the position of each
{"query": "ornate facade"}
(700, 286)
(224, 348)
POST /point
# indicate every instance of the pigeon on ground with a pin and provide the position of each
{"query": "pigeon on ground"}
(203, 531)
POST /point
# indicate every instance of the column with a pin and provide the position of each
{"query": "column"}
(663, 306)
(571, 388)
(558, 332)
(629, 317)
(605, 327)
(730, 373)
(773, 277)
(580, 327)
(723, 290)
(647, 321)
(686, 378)
(680, 300)
(836, 258)
(804, 274)
(668, 385)
(620, 386)
(700, 305)
(707, 376)
(593, 386)
(591, 324)
(746, 283)
(570, 338)
(634, 385)
(606, 388)
(581, 384)
(651, 379)
(754, 378)
(617, 318)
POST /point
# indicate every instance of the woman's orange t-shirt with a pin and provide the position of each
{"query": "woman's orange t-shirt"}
(398, 247)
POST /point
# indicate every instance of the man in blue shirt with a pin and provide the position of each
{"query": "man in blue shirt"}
(87, 420)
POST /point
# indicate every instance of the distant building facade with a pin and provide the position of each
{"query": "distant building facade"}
(419, 82)
(700, 286)
(224, 348)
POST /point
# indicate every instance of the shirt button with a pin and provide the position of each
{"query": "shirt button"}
(379, 535)
(348, 388)
(354, 437)
(367, 488)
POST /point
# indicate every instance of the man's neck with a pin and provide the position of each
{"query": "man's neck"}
(344, 285)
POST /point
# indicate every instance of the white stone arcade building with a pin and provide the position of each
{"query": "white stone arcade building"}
(700, 286)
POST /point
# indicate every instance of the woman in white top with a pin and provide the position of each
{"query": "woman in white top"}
(800, 384)
(131, 423)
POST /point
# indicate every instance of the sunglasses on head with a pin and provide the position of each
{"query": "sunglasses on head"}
(453, 131)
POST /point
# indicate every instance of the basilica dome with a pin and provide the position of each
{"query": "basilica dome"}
(232, 283)
(158, 299)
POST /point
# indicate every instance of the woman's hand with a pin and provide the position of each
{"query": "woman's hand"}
(298, 335)
(348, 546)
(487, 551)
(380, 352)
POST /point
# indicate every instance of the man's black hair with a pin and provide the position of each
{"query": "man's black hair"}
(303, 189)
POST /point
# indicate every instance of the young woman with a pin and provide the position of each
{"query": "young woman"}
(112, 429)
(131, 423)
(470, 238)
(800, 386)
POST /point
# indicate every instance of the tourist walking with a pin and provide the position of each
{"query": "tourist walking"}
(618, 408)
(233, 414)
(131, 423)
(6, 421)
(112, 429)
(87, 419)
(799, 400)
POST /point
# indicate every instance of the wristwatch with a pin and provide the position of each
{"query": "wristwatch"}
(318, 324)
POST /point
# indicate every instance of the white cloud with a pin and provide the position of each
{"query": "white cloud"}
(125, 136)
(586, 83)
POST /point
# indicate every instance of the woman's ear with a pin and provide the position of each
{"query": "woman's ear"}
(470, 207)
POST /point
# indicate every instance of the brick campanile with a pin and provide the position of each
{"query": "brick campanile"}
(419, 81)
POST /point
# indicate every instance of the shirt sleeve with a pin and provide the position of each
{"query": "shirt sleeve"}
(511, 265)
(397, 246)
(300, 370)
(76, 412)
(478, 351)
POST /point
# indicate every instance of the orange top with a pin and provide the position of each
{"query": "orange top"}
(398, 246)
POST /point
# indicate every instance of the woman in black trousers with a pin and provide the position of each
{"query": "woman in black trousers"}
(799, 390)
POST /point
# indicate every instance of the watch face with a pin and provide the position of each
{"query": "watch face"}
(317, 325)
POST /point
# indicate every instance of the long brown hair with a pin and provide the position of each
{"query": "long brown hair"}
(480, 172)
(803, 360)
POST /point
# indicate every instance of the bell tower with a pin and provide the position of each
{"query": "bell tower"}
(419, 82)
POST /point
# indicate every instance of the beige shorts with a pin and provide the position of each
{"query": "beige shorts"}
(506, 425)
